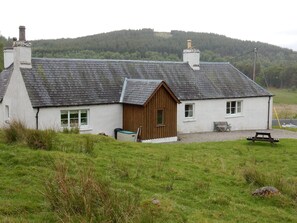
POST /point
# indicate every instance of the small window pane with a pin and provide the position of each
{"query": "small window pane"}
(189, 111)
(83, 117)
(74, 118)
(160, 117)
(64, 119)
(233, 107)
(228, 105)
(239, 107)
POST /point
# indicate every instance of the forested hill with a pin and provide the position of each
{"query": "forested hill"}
(146, 44)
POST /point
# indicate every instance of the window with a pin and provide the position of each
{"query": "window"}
(7, 112)
(189, 110)
(160, 117)
(74, 118)
(233, 107)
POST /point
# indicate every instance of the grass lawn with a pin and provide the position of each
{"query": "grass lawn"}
(197, 182)
(284, 96)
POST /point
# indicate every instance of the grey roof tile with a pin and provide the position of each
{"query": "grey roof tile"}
(70, 82)
(4, 80)
(138, 91)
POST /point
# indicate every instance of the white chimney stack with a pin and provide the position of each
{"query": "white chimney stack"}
(8, 57)
(192, 56)
(19, 53)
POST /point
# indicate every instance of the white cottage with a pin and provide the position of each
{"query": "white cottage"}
(86, 93)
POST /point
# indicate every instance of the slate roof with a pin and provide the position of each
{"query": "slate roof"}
(223, 80)
(4, 80)
(137, 91)
(70, 82)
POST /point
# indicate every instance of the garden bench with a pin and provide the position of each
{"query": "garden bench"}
(222, 126)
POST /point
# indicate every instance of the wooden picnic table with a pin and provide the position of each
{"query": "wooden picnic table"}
(263, 136)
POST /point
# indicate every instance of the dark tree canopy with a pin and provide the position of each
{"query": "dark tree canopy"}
(275, 66)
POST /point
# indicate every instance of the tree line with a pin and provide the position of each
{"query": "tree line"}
(275, 67)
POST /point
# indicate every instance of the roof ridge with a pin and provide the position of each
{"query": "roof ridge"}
(143, 80)
(110, 60)
(215, 62)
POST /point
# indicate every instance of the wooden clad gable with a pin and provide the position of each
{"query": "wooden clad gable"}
(157, 116)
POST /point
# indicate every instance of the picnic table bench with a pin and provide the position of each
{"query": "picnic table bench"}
(222, 126)
(263, 136)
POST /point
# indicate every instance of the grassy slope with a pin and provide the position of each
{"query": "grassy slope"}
(194, 182)
(284, 96)
(285, 103)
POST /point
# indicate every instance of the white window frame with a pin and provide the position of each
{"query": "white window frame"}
(80, 124)
(234, 107)
(193, 111)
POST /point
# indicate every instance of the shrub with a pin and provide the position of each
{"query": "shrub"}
(15, 131)
(285, 186)
(252, 176)
(88, 144)
(37, 139)
(88, 200)
(71, 130)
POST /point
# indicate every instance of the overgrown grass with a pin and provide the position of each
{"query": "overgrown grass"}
(197, 182)
(17, 132)
(285, 103)
(88, 199)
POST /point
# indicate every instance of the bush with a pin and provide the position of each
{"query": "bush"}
(252, 176)
(285, 186)
(71, 130)
(15, 131)
(88, 144)
(88, 200)
(37, 139)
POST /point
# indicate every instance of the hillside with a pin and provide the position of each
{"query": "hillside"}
(146, 44)
(82, 178)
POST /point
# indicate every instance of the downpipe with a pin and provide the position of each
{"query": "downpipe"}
(268, 116)
(36, 118)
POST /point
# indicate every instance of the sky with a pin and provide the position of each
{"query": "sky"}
(273, 21)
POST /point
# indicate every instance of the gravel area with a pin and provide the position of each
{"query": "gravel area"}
(233, 135)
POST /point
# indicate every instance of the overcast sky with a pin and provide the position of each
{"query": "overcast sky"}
(270, 21)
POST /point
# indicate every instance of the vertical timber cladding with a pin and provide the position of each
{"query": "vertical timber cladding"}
(145, 116)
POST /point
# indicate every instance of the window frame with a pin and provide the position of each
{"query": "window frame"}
(73, 118)
(7, 112)
(234, 107)
(163, 117)
(193, 111)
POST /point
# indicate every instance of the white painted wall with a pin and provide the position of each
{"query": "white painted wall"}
(17, 99)
(1, 115)
(8, 57)
(22, 56)
(254, 115)
(102, 118)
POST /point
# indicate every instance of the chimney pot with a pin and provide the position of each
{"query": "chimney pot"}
(189, 44)
(22, 33)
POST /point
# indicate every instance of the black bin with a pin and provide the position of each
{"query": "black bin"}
(116, 130)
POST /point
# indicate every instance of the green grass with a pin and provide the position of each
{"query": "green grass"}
(284, 103)
(284, 96)
(197, 182)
